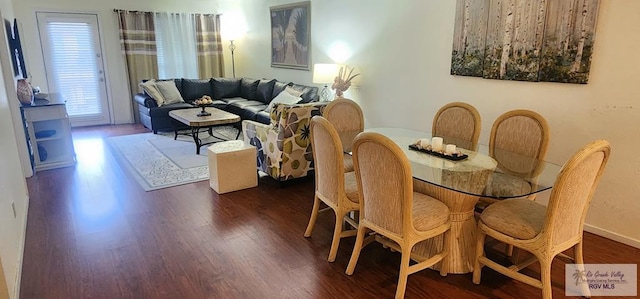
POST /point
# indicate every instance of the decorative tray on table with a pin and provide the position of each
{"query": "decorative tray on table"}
(454, 157)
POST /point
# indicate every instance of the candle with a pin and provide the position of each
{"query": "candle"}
(436, 144)
(450, 149)
(423, 142)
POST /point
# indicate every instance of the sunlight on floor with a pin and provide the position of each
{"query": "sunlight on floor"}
(89, 154)
(100, 209)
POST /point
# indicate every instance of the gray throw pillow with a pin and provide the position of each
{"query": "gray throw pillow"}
(150, 88)
(169, 91)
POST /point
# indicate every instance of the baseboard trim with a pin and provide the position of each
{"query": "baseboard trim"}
(18, 278)
(612, 235)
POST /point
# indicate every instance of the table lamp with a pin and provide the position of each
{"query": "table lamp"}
(325, 73)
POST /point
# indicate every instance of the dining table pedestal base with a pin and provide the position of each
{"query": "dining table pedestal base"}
(462, 235)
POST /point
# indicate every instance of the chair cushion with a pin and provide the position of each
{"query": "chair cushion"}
(518, 218)
(504, 185)
(348, 163)
(351, 186)
(428, 212)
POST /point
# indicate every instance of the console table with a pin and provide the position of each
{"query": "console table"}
(48, 133)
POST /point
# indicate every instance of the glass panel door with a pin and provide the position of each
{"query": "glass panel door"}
(74, 65)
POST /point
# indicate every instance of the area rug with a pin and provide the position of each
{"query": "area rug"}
(157, 161)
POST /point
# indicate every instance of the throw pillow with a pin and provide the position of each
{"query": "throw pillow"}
(248, 88)
(150, 88)
(264, 91)
(309, 94)
(193, 89)
(278, 88)
(224, 88)
(169, 91)
(292, 91)
(283, 98)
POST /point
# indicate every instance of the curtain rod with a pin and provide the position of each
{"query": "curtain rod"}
(154, 12)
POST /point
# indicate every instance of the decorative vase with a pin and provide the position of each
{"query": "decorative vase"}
(24, 92)
(203, 112)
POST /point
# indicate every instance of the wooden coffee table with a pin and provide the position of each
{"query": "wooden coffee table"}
(190, 118)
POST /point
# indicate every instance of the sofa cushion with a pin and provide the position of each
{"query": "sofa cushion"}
(169, 92)
(246, 109)
(278, 87)
(233, 100)
(240, 108)
(264, 92)
(248, 88)
(220, 104)
(263, 117)
(225, 88)
(193, 89)
(309, 94)
(163, 111)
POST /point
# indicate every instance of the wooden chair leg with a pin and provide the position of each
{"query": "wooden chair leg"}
(477, 268)
(545, 277)
(337, 231)
(314, 216)
(357, 247)
(444, 264)
(404, 273)
(579, 259)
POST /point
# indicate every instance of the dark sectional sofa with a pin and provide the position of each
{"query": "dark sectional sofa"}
(248, 98)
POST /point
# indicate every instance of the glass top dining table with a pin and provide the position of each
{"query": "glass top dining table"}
(497, 173)
(493, 173)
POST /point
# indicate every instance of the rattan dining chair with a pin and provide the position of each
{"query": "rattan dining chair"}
(516, 134)
(389, 206)
(337, 189)
(545, 231)
(459, 121)
(347, 118)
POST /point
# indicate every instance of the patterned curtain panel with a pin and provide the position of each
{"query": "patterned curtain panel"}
(209, 46)
(138, 44)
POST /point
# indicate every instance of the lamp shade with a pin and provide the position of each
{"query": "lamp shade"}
(324, 73)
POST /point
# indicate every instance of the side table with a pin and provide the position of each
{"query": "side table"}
(232, 166)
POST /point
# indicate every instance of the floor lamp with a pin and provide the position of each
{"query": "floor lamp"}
(232, 47)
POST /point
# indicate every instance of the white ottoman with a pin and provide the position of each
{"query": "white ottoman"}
(232, 166)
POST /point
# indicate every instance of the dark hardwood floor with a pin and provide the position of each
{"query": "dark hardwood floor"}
(94, 233)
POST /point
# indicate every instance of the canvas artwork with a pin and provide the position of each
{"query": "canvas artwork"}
(290, 35)
(525, 40)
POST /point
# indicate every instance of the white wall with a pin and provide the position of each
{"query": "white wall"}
(13, 189)
(403, 49)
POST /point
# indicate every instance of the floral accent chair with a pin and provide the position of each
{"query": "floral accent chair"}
(284, 146)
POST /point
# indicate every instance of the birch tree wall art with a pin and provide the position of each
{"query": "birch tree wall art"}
(525, 40)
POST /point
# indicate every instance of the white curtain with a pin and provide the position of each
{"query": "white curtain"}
(176, 43)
